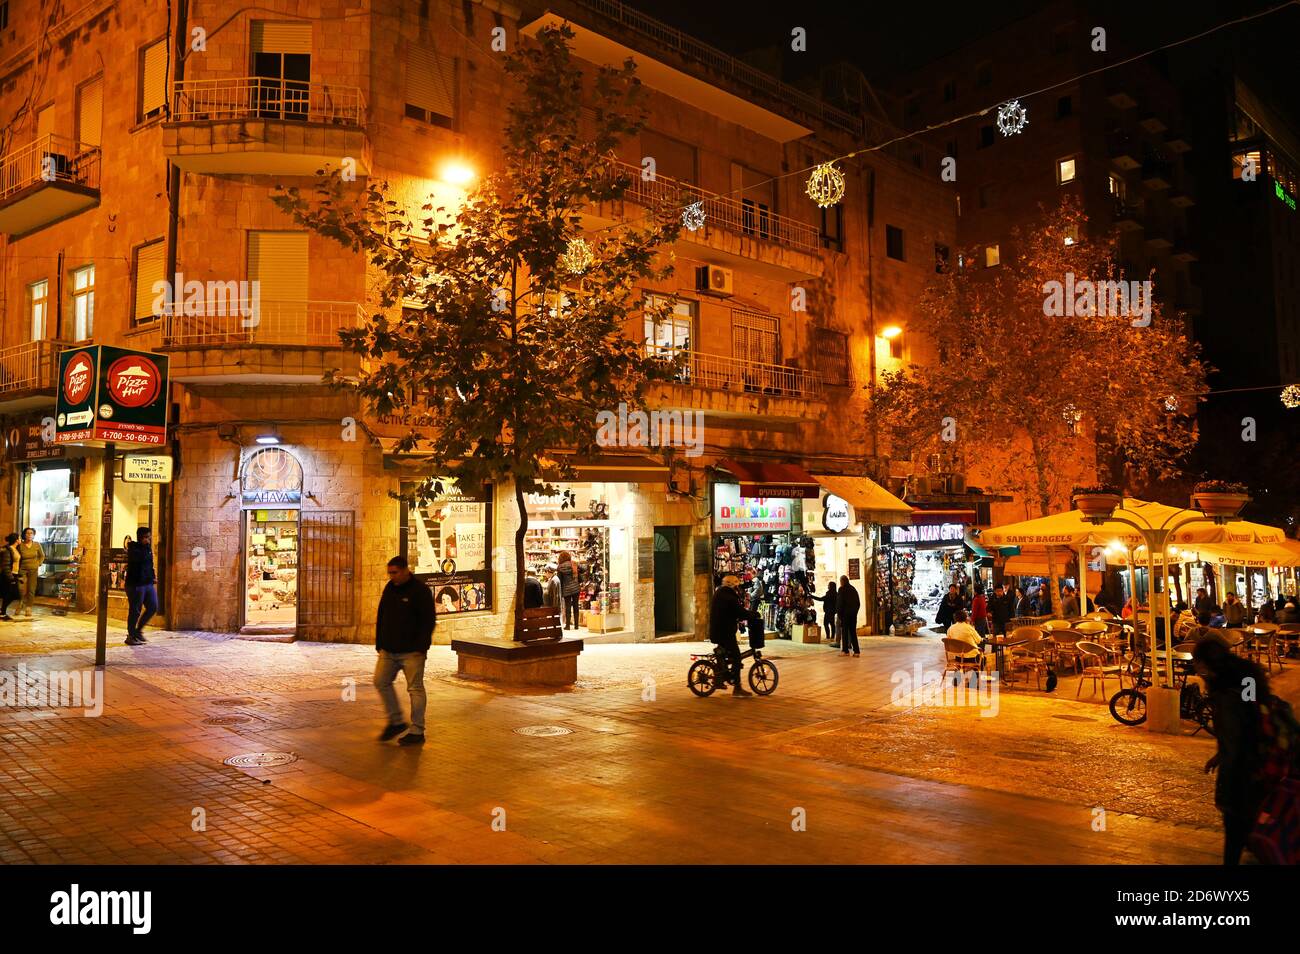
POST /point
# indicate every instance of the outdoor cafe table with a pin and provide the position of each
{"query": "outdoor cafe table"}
(999, 644)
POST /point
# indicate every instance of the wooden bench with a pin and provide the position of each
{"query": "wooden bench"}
(541, 622)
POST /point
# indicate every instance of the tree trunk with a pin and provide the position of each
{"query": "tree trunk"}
(1044, 505)
(520, 570)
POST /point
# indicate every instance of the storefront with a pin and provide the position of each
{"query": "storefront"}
(924, 560)
(447, 541)
(271, 496)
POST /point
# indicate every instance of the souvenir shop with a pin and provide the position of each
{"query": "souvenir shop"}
(922, 562)
(761, 540)
(839, 541)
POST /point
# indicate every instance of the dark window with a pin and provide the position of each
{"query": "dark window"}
(833, 228)
(283, 85)
(912, 106)
(894, 242)
(467, 7)
(952, 148)
(896, 347)
(949, 91)
(1061, 40)
(1064, 107)
(940, 258)
(832, 355)
(986, 136)
(4, 15)
(988, 195)
(984, 74)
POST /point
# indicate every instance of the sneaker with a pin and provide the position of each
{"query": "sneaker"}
(411, 738)
(857, 654)
(741, 691)
(132, 641)
(396, 729)
(140, 636)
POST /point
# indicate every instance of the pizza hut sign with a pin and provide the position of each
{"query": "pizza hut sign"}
(111, 394)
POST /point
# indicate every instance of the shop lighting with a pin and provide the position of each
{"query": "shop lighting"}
(268, 439)
(893, 331)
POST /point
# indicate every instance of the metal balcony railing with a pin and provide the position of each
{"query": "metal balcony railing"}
(257, 97)
(49, 159)
(33, 366)
(311, 324)
(743, 216)
(670, 38)
(723, 373)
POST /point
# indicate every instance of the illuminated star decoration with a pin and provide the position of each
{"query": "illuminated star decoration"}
(826, 185)
(1291, 396)
(693, 216)
(1171, 402)
(578, 258)
(1012, 118)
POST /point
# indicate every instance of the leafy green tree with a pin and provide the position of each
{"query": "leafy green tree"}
(521, 336)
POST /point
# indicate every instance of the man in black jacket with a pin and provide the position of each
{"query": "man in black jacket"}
(724, 615)
(403, 634)
(141, 589)
(1002, 607)
(847, 605)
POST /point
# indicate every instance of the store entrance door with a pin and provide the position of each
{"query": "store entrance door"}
(667, 576)
(271, 570)
(328, 547)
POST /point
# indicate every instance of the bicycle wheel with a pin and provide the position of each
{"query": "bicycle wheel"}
(702, 679)
(763, 677)
(1129, 707)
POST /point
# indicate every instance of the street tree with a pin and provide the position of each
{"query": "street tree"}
(514, 332)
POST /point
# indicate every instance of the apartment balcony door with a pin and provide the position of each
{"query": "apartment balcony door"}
(282, 69)
(756, 344)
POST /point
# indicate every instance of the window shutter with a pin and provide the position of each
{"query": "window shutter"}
(153, 80)
(150, 261)
(45, 122)
(430, 81)
(90, 113)
(274, 36)
(278, 262)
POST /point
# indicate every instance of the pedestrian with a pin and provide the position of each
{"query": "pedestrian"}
(1267, 612)
(1024, 604)
(829, 612)
(552, 597)
(30, 555)
(979, 612)
(533, 595)
(1203, 607)
(1069, 603)
(1234, 613)
(847, 605)
(9, 590)
(948, 607)
(1236, 688)
(1289, 613)
(141, 585)
(403, 633)
(1043, 600)
(1001, 609)
(567, 570)
(725, 615)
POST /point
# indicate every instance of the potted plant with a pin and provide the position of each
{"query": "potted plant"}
(1219, 498)
(1096, 502)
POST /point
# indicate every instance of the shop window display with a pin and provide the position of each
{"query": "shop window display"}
(52, 511)
(778, 571)
(271, 584)
(446, 541)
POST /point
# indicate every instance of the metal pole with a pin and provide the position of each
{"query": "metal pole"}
(105, 542)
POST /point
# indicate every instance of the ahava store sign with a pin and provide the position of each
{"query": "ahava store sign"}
(733, 513)
(111, 394)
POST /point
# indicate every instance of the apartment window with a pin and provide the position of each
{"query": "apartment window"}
(1061, 40)
(38, 307)
(984, 74)
(1072, 236)
(83, 303)
(755, 336)
(952, 148)
(988, 194)
(1065, 171)
(152, 81)
(45, 122)
(282, 64)
(912, 106)
(90, 112)
(673, 158)
(1064, 107)
(832, 230)
(992, 256)
(672, 330)
(894, 242)
(949, 91)
(1115, 185)
(832, 355)
(986, 136)
(149, 268)
(896, 346)
(4, 15)
(277, 261)
(941, 254)
(430, 87)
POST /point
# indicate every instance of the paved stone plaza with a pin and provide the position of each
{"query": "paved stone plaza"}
(647, 773)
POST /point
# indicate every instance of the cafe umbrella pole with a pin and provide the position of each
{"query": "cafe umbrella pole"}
(105, 542)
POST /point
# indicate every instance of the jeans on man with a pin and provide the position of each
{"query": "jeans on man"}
(729, 652)
(141, 604)
(386, 670)
(848, 634)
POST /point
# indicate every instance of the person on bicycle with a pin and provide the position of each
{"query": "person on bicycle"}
(725, 615)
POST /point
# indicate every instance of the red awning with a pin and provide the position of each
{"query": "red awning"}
(929, 518)
(763, 479)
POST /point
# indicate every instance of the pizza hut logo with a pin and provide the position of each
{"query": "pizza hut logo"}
(133, 381)
(77, 378)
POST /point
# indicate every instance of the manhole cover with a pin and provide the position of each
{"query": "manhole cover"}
(261, 759)
(227, 720)
(543, 730)
(1027, 756)
(232, 702)
(1075, 718)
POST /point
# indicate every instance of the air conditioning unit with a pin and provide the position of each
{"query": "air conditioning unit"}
(713, 280)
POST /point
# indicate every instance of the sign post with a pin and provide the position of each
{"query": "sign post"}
(109, 396)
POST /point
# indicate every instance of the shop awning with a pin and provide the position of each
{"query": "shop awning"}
(976, 549)
(928, 518)
(764, 479)
(613, 469)
(871, 502)
(1035, 564)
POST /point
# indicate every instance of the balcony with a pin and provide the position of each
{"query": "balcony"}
(1127, 215)
(45, 181)
(1157, 174)
(737, 233)
(738, 387)
(277, 342)
(257, 126)
(1123, 150)
(29, 375)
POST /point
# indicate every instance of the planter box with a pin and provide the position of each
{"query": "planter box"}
(1220, 504)
(1097, 505)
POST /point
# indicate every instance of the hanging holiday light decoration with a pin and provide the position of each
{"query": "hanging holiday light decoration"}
(693, 216)
(1291, 396)
(1171, 403)
(826, 185)
(1012, 118)
(578, 258)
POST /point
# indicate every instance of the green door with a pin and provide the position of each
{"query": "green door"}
(666, 580)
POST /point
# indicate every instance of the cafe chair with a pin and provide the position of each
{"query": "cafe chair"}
(1066, 642)
(1262, 648)
(1288, 634)
(1097, 666)
(1031, 657)
(955, 660)
(1056, 624)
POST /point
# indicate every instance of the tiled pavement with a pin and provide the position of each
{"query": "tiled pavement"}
(648, 774)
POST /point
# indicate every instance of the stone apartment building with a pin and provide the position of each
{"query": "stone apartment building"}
(170, 129)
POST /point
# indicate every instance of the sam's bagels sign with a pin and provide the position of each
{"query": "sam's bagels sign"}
(111, 394)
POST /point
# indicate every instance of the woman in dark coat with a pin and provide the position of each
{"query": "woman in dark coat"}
(1235, 686)
(829, 608)
(567, 571)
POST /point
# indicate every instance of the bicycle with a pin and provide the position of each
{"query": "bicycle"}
(703, 678)
(1129, 706)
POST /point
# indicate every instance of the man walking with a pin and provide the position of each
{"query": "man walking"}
(141, 585)
(847, 605)
(403, 633)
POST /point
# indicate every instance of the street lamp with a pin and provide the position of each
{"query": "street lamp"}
(1216, 508)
